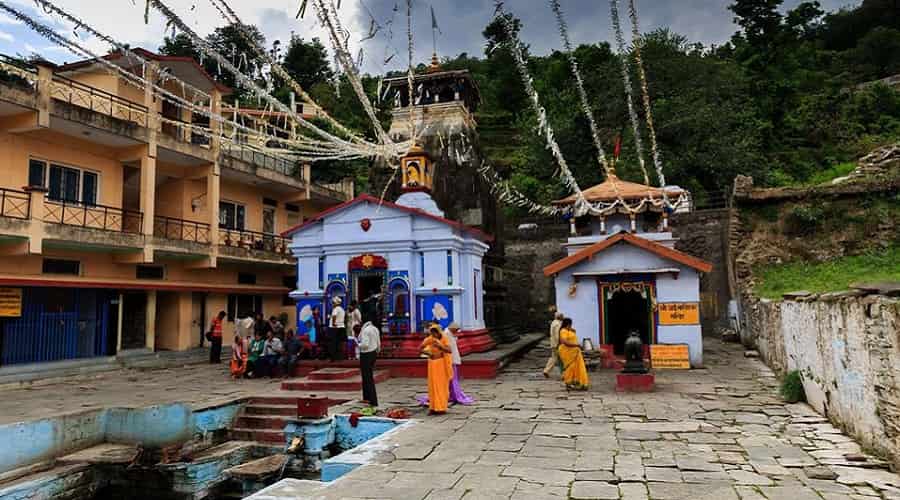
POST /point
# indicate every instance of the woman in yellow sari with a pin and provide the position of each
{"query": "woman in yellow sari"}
(574, 372)
(436, 347)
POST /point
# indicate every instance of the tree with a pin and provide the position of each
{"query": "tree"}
(232, 44)
(180, 45)
(307, 62)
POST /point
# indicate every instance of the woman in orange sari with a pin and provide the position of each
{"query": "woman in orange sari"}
(238, 358)
(440, 370)
(574, 372)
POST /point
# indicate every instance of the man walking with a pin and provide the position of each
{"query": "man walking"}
(555, 326)
(369, 340)
(337, 333)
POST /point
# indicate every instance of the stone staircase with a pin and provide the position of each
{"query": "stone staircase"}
(332, 379)
(263, 419)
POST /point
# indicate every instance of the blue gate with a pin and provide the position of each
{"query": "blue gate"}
(57, 324)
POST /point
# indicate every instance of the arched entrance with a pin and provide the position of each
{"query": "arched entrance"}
(368, 285)
(334, 289)
(626, 306)
(398, 308)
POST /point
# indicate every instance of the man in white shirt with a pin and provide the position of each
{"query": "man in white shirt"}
(369, 340)
(271, 352)
(555, 326)
(337, 333)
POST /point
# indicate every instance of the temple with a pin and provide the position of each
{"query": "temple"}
(623, 274)
(404, 263)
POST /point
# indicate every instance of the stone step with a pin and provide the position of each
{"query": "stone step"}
(333, 373)
(342, 385)
(276, 422)
(273, 400)
(258, 435)
(259, 470)
(271, 410)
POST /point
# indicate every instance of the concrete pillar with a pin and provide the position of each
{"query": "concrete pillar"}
(633, 223)
(151, 73)
(45, 81)
(150, 326)
(602, 225)
(148, 193)
(119, 324)
(213, 195)
(37, 211)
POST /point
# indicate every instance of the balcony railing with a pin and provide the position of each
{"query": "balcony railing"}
(183, 131)
(249, 155)
(252, 240)
(15, 204)
(178, 229)
(93, 216)
(100, 101)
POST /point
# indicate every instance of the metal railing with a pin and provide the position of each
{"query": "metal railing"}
(178, 229)
(94, 99)
(183, 131)
(249, 155)
(15, 204)
(93, 216)
(252, 240)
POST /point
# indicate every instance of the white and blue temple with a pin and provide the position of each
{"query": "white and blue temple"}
(403, 263)
(622, 272)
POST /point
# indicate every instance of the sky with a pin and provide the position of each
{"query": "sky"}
(460, 23)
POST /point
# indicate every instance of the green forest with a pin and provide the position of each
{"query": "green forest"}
(788, 100)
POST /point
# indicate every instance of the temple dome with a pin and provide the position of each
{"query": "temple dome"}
(614, 188)
(420, 200)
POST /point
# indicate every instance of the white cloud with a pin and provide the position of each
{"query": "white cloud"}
(9, 21)
(6, 37)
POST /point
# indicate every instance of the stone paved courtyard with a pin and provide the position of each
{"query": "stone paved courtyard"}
(720, 433)
(717, 433)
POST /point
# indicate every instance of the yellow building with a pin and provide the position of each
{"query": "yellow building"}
(126, 222)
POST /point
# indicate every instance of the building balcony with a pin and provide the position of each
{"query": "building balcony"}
(99, 101)
(244, 245)
(15, 204)
(92, 216)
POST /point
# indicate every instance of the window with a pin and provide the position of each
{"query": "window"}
(149, 272)
(321, 272)
(241, 306)
(246, 279)
(421, 268)
(293, 214)
(449, 268)
(289, 282)
(231, 215)
(269, 220)
(72, 185)
(61, 266)
(36, 170)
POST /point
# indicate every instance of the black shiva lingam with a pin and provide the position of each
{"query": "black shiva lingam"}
(634, 354)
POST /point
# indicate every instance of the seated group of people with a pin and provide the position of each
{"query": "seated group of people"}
(264, 354)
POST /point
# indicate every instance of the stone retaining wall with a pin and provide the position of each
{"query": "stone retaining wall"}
(847, 350)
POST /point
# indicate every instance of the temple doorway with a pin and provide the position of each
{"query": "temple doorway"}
(370, 295)
(627, 307)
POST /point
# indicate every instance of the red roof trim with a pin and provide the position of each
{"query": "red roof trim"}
(481, 235)
(651, 246)
(126, 285)
(156, 57)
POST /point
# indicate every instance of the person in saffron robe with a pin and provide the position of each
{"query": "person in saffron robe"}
(574, 372)
(238, 358)
(457, 395)
(440, 370)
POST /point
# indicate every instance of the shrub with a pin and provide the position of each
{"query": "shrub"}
(792, 387)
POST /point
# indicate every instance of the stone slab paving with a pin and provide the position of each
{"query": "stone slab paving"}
(718, 433)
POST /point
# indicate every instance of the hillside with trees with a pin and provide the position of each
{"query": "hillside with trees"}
(781, 101)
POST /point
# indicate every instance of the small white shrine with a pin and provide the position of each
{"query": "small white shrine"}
(404, 263)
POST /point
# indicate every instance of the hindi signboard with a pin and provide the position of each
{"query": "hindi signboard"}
(679, 313)
(670, 356)
(10, 302)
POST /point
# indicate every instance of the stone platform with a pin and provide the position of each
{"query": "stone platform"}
(332, 380)
(483, 365)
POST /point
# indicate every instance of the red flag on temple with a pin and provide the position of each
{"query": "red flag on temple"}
(618, 149)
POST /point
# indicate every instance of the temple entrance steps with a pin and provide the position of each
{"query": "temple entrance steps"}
(263, 418)
(332, 379)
